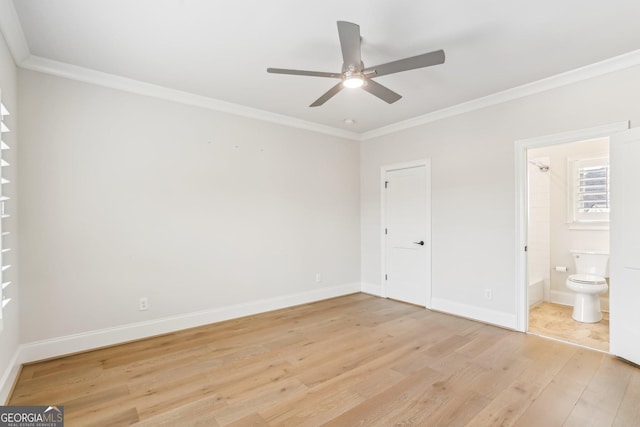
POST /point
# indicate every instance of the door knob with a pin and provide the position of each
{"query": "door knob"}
(421, 243)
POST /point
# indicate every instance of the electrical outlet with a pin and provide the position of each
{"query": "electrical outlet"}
(318, 277)
(488, 294)
(143, 304)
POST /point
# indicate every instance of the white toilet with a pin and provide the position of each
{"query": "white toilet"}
(588, 283)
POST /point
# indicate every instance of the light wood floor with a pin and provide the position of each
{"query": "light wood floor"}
(352, 361)
(554, 320)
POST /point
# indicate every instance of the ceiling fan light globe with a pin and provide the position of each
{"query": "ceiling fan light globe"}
(353, 82)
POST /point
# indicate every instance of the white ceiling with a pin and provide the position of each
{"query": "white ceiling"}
(221, 49)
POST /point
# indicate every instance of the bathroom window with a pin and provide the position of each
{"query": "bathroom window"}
(590, 182)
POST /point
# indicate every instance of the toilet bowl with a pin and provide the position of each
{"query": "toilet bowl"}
(588, 284)
(588, 288)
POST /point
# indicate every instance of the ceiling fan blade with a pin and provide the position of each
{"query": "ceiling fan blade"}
(304, 73)
(349, 34)
(381, 92)
(327, 95)
(419, 61)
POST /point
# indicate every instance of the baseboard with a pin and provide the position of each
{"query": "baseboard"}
(69, 344)
(562, 297)
(498, 318)
(9, 377)
(370, 288)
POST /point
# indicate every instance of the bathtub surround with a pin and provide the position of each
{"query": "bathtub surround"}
(539, 243)
(536, 291)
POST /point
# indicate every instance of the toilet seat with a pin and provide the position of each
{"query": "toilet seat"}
(587, 279)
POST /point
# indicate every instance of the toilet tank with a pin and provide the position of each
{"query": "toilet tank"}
(591, 262)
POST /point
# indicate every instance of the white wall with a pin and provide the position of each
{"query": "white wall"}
(9, 337)
(125, 196)
(564, 234)
(473, 195)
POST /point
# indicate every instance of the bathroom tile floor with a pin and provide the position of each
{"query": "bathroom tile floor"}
(554, 321)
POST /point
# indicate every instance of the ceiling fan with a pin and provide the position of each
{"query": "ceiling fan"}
(355, 75)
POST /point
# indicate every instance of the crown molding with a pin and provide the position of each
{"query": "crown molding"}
(14, 36)
(86, 75)
(607, 66)
(74, 72)
(12, 31)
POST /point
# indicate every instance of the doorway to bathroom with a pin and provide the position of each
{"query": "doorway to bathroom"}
(567, 218)
(559, 222)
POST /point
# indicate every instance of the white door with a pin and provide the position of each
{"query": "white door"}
(624, 293)
(408, 235)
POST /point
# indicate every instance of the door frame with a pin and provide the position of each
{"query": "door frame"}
(383, 221)
(522, 199)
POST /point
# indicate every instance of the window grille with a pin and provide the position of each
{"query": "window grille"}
(590, 188)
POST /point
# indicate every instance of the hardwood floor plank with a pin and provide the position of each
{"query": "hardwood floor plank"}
(99, 404)
(173, 395)
(556, 401)
(508, 405)
(376, 380)
(401, 401)
(599, 403)
(348, 361)
(559, 397)
(629, 411)
(253, 420)
(119, 417)
(480, 340)
(44, 388)
(311, 409)
(493, 380)
(547, 358)
(264, 398)
(349, 357)
(462, 406)
(581, 368)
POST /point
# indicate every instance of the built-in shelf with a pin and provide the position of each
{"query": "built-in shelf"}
(5, 285)
(6, 267)
(4, 163)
